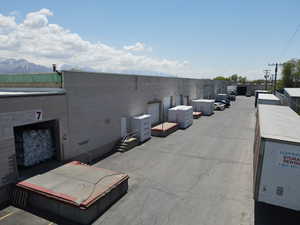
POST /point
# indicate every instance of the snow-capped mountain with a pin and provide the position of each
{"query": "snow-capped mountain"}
(12, 66)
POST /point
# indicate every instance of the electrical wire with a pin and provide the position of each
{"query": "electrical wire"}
(286, 47)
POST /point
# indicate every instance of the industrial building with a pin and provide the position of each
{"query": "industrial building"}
(244, 89)
(292, 98)
(84, 116)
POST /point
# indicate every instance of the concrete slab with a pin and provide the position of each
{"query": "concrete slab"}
(75, 192)
(75, 183)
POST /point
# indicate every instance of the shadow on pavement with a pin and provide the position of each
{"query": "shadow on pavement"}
(265, 214)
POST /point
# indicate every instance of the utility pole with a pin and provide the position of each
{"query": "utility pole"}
(272, 80)
(266, 76)
(275, 80)
(276, 70)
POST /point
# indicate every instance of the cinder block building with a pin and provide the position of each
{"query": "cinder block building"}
(86, 116)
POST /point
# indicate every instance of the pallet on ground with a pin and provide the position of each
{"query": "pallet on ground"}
(197, 115)
(74, 192)
(164, 129)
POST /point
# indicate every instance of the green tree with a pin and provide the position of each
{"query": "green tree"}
(279, 85)
(242, 79)
(220, 78)
(234, 77)
(291, 73)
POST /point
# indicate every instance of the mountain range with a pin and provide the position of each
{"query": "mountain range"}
(13, 66)
(17, 66)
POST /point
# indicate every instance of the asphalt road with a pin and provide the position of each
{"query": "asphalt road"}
(201, 175)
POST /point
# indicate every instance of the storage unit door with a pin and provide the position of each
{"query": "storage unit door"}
(166, 106)
(185, 100)
(208, 92)
(178, 100)
(153, 110)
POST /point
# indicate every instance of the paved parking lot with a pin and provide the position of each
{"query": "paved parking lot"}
(201, 175)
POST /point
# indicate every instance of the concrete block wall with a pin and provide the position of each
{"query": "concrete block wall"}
(19, 111)
(90, 112)
(97, 101)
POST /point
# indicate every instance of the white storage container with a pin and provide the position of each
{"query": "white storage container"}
(221, 97)
(206, 106)
(183, 115)
(232, 88)
(257, 92)
(277, 156)
(142, 124)
(269, 99)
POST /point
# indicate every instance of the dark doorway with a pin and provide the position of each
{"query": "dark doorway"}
(241, 90)
(37, 148)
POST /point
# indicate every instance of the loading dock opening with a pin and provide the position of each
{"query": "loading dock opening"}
(37, 147)
(241, 90)
(167, 103)
(154, 109)
(186, 100)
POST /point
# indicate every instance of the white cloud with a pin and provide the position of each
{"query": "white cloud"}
(7, 24)
(36, 40)
(137, 47)
(37, 19)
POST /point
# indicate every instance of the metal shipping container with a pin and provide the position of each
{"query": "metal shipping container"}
(142, 125)
(277, 157)
(231, 89)
(257, 92)
(269, 99)
(205, 106)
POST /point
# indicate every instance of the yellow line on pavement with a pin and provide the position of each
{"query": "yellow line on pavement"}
(7, 215)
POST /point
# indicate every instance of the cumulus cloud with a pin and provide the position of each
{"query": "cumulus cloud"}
(137, 47)
(37, 19)
(37, 40)
(7, 24)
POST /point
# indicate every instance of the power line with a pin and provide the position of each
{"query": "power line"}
(285, 49)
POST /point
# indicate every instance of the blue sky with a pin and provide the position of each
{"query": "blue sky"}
(214, 37)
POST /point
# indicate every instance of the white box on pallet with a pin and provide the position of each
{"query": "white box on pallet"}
(183, 115)
(206, 106)
(277, 156)
(142, 125)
